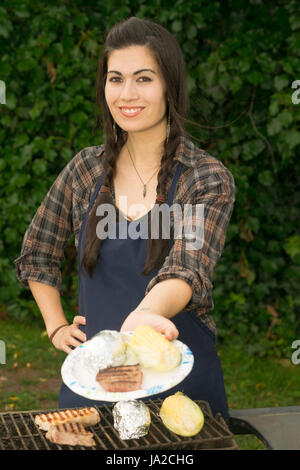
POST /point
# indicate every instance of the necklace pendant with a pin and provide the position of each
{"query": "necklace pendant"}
(144, 192)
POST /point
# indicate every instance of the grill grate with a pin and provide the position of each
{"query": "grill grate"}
(18, 431)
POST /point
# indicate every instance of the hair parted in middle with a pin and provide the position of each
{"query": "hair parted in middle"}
(128, 32)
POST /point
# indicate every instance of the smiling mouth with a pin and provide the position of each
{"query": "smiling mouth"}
(129, 112)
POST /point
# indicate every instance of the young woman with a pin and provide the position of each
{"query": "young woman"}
(145, 163)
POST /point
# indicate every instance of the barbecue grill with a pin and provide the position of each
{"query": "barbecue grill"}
(19, 432)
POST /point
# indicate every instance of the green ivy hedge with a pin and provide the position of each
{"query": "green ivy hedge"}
(242, 58)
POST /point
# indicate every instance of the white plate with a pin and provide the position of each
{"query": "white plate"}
(80, 380)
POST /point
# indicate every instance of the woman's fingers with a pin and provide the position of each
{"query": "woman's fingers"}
(70, 336)
(170, 332)
(167, 328)
(158, 322)
(74, 342)
(77, 333)
(68, 343)
(79, 320)
(66, 349)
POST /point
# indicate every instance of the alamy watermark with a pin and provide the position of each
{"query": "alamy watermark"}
(295, 95)
(2, 352)
(2, 92)
(296, 354)
(188, 224)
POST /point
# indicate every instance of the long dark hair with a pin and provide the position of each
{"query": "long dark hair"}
(165, 49)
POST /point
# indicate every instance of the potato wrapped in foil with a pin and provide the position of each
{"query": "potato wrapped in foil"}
(153, 350)
(106, 349)
(181, 415)
(131, 419)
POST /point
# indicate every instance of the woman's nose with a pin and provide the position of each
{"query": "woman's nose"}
(129, 90)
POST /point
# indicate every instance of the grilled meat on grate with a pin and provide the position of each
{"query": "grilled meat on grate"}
(70, 434)
(85, 416)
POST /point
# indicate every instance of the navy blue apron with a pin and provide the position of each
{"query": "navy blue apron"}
(117, 287)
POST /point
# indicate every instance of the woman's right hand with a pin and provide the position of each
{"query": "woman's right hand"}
(66, 336)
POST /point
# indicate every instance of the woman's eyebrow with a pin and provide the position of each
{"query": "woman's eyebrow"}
(134, 73)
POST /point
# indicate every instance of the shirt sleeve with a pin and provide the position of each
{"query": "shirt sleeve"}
(203, 227)
(43, 244)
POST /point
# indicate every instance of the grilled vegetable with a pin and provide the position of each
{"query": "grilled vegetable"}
(181, 415)
(153, 350)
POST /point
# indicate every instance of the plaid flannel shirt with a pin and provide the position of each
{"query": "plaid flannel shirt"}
(203, 180)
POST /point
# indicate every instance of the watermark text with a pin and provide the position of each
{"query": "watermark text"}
(2, 352)
(296, 94)
(2, 92)
(188, 224)
(296, 354)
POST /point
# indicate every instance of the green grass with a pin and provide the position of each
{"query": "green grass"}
(255, 382)
(30, 379)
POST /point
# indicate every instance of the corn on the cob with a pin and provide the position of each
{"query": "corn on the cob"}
(153, 349)
(181, 415)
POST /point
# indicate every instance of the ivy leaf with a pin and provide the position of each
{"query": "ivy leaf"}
(39, 166)
(253, 148)
(22, 12)
(254, 224)
(37, 109)
(176, 26)
(238, 298)
(292, 137)
(269, 265)
(274, 127)
(274, 108)
(20, 140)
(26, 64)
(235, 83)
(199, 20)
(5, 27)
(292, 246)
(281, 81)
(80, 20)
(285, 117)
(266, 178)
(191, 32)
(294, 22)
(78, 117)
(255, 77)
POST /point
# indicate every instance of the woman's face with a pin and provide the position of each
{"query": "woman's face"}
(135, 89)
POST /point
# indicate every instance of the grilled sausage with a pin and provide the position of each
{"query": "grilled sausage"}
(85, 416)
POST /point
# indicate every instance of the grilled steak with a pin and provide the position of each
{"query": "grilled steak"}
(85, 416)
(73, 434)
(121, 379)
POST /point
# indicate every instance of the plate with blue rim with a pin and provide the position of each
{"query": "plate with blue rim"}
(81, 381)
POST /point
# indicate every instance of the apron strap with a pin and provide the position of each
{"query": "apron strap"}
(171, 194)
(89, 208)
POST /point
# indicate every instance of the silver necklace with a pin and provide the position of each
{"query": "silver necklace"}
(144, 184)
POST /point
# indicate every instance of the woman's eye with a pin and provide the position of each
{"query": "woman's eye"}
(114, 79)
(147, 79)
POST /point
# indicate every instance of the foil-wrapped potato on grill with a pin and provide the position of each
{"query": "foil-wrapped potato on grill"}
(132, 419)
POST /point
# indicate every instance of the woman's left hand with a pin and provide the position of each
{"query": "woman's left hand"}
(156, 321)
